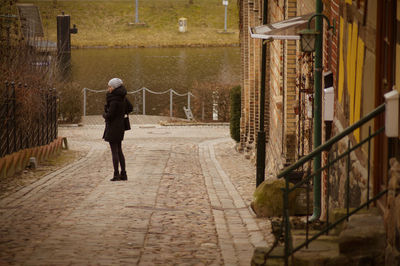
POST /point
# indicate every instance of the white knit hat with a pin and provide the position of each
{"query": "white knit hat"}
(115, 83)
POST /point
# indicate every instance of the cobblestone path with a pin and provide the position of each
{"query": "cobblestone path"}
(182, 205)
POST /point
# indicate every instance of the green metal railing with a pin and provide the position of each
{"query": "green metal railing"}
(286, 173)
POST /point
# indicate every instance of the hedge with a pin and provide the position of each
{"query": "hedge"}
(235, 95)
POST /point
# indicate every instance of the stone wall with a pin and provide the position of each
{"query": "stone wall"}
(346, 55)
(392, 215)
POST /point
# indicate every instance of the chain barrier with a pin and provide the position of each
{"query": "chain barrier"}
(143, 90)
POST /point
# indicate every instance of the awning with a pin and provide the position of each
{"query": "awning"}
(282, 30)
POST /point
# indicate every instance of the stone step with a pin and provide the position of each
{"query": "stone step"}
(319, 252)
(361, 242)
(338, 213)
(364, 237)
(259, 257)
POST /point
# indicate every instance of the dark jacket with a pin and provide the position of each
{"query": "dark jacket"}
(114, 112)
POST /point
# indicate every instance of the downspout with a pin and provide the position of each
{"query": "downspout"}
(260, 176)
(284, 69)
(317, 109)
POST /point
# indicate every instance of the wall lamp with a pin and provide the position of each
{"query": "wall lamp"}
(308, 36)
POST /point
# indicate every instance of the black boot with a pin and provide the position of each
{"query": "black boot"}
(116, 177)
(123, 176)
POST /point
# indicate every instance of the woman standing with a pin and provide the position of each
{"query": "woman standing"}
(114, 112)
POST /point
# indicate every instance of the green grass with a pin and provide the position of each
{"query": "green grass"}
(105, 23)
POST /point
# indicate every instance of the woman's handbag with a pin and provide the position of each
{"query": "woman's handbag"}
(127, 124)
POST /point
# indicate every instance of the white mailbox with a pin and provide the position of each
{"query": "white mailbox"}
(328, 103)
(392, 114)
(182, 24)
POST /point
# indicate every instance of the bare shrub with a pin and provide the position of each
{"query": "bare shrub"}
(208, 94)
(71, 103)
(34, 70)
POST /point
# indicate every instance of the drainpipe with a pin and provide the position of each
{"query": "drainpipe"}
(260, 176)
(284, 87)
(317, 109)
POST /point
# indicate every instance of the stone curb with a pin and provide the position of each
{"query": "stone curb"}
(238, 232)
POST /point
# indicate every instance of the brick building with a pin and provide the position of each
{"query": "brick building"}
(281, 122)
(362, 58)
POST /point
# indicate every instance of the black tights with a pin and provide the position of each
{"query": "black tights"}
(117, 156)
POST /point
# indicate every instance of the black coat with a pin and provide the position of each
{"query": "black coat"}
(114, 112)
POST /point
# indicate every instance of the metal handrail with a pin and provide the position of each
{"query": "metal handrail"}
(375, 112)
(333, 225)
(302, 182)
(289, 249)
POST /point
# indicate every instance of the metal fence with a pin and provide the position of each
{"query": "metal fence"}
(28, 117)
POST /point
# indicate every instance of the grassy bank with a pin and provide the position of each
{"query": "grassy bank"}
(106, 23)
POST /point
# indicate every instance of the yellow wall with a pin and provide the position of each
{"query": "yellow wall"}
(353, 55)
(341, 61)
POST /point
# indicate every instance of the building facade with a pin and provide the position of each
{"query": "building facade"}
(281, 78)
(360, 63)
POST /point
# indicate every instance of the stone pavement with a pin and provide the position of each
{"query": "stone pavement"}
(186, 202)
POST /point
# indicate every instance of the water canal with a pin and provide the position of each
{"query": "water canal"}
(158, 69)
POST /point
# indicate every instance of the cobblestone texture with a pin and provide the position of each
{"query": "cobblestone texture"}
(184, 203)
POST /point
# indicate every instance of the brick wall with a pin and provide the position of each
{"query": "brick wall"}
(282, 147)
(251, 52)
(290, 95)
(331, 10)
(274, 156)
(280, 120)
(244, 122)
(242, 71)
(305, 7)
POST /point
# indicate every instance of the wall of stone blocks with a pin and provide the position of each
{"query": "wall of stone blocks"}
(358, 171)
(392, 215)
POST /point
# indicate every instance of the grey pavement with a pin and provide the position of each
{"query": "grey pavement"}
(186, 202)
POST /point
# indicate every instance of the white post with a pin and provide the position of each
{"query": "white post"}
(225, 3)
(84, 101)
(202, 111)
(189, 100)
(226, 15)
(137, 12)
(144, 101)
(170, 102)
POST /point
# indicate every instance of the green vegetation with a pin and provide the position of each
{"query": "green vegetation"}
(235, 113)
(106, 23)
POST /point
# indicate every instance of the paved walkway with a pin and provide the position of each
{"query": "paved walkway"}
(185, 203)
